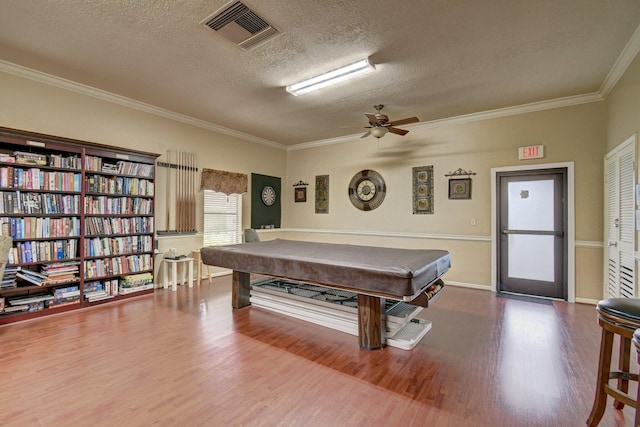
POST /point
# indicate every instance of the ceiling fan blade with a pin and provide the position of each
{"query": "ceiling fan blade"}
(365, 135)
(404, 121)
(372, 119)
(398, 131)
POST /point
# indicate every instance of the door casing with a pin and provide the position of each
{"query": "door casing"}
(571, 262)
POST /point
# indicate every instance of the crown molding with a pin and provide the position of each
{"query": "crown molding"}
(625, 58)
(473, 117)
(28, 73)
(622, 63)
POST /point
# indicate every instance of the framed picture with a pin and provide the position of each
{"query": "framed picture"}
(423, 190)
(300, 194)
(460, 188)
(322, 194)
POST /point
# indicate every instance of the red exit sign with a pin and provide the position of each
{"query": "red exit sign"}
(531, 152)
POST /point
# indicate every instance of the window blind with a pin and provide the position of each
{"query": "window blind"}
(222, 218)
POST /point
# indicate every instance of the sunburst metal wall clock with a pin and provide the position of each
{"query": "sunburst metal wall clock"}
(367, 190)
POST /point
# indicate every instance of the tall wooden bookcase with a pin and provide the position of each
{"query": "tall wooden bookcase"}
(81, 216)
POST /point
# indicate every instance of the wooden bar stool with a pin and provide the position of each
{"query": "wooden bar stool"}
(636, 344)
(616, 316)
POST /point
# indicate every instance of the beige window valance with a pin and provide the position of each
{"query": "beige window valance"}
(223, 181)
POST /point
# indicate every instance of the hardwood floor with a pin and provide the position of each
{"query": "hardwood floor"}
(186, 359)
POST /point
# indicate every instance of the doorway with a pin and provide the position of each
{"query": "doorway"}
(533, 231)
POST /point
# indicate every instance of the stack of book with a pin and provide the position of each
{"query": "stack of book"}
(136, 283)
(28, 303)
(30, 158)
(31, 276)
(65, 296)
(109, 168)
(9, 277)
(61, 272)
(96, 291)
(51, 274)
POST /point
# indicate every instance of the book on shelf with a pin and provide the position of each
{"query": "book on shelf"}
(66, 292)
(15, 308)
(9, 277)
(62, 302)
(8, 284)
(30, 299)
(6, 158)
(125, 291)
(97, 295)
(29, 278)
(30, 158)
(32, 273)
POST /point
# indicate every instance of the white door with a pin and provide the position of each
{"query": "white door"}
(620, 221)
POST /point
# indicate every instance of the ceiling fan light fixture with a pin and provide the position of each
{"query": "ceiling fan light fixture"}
(379, 131)
(332, 77)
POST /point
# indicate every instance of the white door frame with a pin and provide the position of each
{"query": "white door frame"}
(571, 240)
(627, 248)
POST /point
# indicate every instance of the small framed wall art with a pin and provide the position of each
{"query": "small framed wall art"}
(322, 194)
(423, 190)
(460, 188)
(300, 194)
(300, 191)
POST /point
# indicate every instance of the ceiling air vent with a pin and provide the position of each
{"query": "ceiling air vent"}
(241, 25)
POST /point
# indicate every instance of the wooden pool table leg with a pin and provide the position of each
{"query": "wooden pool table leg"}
(240, 289)
(371, 334)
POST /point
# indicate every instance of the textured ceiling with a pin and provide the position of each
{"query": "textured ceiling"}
(435, 59)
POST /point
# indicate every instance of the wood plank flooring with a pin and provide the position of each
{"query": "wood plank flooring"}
(186, 358)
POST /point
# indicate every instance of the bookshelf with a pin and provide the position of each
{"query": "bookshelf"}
(81, 216)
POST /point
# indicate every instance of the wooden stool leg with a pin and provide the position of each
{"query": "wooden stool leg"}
(198, 263)
(623, 365)
(600, 401)
(637, 418)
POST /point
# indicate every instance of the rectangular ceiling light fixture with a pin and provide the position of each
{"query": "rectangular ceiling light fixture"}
(332, 77)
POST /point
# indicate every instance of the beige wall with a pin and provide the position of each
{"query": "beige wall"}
(582, 134)
(623, 120)
(573, 133)
(42, 108)
(623, 107)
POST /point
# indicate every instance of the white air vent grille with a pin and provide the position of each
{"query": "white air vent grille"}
(241, 25)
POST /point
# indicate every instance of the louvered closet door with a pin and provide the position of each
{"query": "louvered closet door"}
(621, 221)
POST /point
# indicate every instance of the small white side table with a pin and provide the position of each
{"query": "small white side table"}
(174, 272)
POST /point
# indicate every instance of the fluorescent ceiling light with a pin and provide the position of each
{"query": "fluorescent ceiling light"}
(332, 77)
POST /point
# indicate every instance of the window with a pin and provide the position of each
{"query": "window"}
(222, 218)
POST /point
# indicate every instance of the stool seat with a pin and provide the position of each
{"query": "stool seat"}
(616, 316)
(625, 308)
